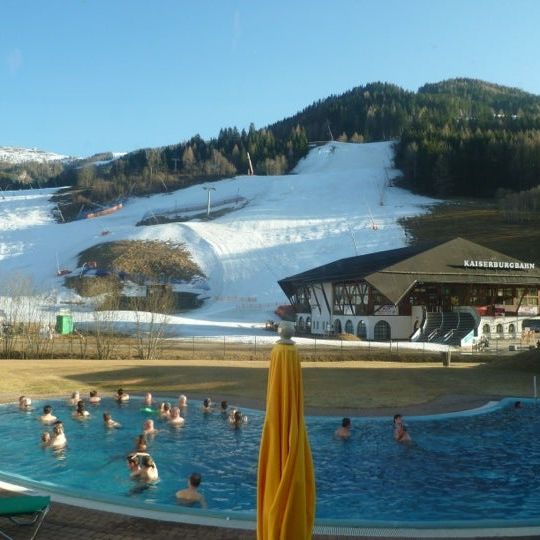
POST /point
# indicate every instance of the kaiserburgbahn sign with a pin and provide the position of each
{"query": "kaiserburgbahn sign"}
(501, 265)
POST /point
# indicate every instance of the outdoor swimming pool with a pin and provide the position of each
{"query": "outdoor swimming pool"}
(476, 467)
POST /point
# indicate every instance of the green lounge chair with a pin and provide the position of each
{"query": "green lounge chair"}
(24, 510)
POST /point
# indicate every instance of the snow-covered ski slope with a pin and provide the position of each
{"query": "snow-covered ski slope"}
(339, 202)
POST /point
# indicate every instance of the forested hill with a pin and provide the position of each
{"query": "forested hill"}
(457, 137)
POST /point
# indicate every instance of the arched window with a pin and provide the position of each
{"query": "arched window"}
(308, 324)
(511, 328)
(499, 329)
(301, 324)
(486, 329)
(337, 326)
(361, 330)
(349, 328)
(382, 331)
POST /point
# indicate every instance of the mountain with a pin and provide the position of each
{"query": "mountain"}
(339, 202)
(16, 155)
(459, 137)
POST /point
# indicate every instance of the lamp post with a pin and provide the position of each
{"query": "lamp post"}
(208, 190)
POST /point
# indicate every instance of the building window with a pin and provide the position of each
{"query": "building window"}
(361, 330)
(486, 329)
(511, 329)
(337, 326)
(349, 328)
(301, 324)
(308, 324)
(499, 329)
(382, 331)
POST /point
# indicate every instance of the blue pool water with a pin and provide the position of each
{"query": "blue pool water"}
(459, 468)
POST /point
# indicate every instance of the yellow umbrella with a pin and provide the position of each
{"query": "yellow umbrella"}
(285, 480)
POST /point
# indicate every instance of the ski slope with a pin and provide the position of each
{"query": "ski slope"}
(338, 202)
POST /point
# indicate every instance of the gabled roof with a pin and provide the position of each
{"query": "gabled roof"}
(394, 272)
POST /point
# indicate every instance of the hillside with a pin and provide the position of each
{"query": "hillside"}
(339, 201)
(460, 137)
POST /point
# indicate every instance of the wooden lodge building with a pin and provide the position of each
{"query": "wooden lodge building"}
(451, 292)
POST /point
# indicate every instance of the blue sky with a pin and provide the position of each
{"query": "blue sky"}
(82, 76)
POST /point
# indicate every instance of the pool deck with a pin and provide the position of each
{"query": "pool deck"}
(65, 522)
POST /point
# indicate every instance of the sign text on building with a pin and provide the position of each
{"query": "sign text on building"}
(505, 265)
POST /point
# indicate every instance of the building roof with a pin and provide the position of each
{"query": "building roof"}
(394, 272)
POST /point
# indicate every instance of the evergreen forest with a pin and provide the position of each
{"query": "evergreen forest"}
(456, 138)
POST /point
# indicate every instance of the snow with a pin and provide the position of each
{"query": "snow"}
(338, 202)
(16, 155)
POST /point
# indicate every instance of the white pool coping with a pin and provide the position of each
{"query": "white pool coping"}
(345, 530)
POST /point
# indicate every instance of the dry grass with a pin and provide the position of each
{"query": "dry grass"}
(348, 384)
(150, 258)
(478, 220)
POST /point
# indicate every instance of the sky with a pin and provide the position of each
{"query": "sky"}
(84, 76)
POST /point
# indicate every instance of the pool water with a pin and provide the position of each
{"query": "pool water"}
(458, 468)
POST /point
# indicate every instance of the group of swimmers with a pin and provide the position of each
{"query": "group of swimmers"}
(400, 429)
(141, 465)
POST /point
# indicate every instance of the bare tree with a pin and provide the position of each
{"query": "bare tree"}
(151, 321)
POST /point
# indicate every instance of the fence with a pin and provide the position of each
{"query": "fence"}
(230, 347)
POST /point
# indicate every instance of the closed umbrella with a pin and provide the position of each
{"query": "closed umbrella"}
(285, 480)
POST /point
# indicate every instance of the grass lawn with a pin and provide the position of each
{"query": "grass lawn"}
(348, 384)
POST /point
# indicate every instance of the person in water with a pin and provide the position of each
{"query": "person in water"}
(74, 399)
(109, 422)
(344, 432)
(141, 444)
(81, 413)
(175, 419)
(25, 403)
(121, 396)
(400, 430)
(45, 439)
(165, 410)
(47, 417)
(148, 401)
(207, 406)
(149, 428)
(133, 465)
(149, 472)
(236, 418)
(182, 401)
(192, 495)
(94, 398)
(224, 407)
(58, 439)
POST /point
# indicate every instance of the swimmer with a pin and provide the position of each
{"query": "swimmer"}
(518, 405)
(224, 407)
(47, 417)
(165, 410)
(133, 465)
(121, 396)
(81, 413)
(236, 419)
(344, 432)
(45, 439)
(149, 472)
(94, 398)
(400, 431)
(74, 399)
(25, 403)
(58, 439)
(148, 400)
(109, 422)
(182, 401)
(207, 406)
(140, 443)
(191, 494)
(175, 419)
(149, 428)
